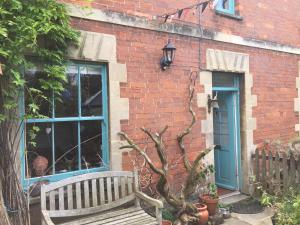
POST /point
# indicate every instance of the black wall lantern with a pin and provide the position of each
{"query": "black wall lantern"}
(168, 55)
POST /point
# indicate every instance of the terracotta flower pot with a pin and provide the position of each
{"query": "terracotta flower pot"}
(166, 222)
(202, 208)
(211, 203)
(40, 164)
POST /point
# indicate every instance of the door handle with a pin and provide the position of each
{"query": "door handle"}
(217, 147)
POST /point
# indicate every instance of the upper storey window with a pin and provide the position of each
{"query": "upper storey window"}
(226, 6)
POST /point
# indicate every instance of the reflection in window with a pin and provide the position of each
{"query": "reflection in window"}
(67, 104)
(91, 91)
(66, 146)
(91, 137)
(39, 150)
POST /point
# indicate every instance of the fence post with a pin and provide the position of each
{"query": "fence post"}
(277, 173)
(257, 165)
(263, 169)
(271, 172)
(292, 171)
(285, 172)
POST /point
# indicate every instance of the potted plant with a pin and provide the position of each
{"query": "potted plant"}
(211, 199)
(203, 213)
(39, 165)
(166, 222)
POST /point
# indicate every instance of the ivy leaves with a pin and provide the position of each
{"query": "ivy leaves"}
(33, 27)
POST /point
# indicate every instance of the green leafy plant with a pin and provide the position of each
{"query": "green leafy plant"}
(287, 207)
(213, 190)
(32, 28)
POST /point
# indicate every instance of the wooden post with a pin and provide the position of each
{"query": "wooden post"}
(285, 172)
(271, 172)
(257, 165)
(292, 171)
(298, 168)
(277, 173)
(263, 170)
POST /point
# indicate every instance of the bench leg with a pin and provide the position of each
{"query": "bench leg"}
(158, 213)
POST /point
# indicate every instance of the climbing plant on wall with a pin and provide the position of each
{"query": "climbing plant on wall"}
(39, 28)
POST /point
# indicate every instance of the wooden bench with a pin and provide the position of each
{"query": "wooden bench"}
(106, 198)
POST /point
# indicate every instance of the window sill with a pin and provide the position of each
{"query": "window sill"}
(228, 15)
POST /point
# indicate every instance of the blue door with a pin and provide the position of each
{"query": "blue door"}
(226, 139)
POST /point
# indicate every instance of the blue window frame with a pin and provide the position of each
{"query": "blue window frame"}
(226, 6)
(73, 136)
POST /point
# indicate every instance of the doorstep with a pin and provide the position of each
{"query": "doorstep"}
(232, 198)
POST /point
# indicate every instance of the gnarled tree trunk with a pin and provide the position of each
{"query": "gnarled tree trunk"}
(185, 211)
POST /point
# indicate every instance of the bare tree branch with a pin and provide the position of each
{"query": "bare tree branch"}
(180, 138)
(132, 145)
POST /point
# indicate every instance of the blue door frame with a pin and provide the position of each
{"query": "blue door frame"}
(227, 152)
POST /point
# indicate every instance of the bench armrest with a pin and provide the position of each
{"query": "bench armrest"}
(151, 201)
(46, 220)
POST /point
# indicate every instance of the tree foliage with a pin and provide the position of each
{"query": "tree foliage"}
(28, 28)
(38, 28)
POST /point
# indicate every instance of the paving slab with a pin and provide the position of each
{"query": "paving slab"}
(235, 221)
(263, 218)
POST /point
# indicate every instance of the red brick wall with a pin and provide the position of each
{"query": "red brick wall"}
(273, 20)
(159, 98)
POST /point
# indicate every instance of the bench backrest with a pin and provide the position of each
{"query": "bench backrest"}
(89, 193)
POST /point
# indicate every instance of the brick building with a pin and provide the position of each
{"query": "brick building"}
(247, 53)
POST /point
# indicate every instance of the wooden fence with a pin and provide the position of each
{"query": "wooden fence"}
(276, 172)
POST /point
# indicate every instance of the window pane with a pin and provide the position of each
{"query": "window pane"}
(40, 152)
(66, 146)
(223, 80)
(32, 77)
(91, 141)
(225, 4)
(67, 106)
(91, 91)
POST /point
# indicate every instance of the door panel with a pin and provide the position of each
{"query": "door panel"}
(224, 139)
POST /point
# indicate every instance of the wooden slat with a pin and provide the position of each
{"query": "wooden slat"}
(94, 192)
(43, 198)
(108, 189)
(91, 210)
(84, 177)
(52, 200)
(107, 215)
(86, 194)
(263, 169)
(61, 198)
(285, 172)
(70, 196)
(257, 171)
(116, 220)
(78, 196)
(298, 172)
(116, 188)
(292, 171)
(123, 187)
(271, 171)
(277, 172)
(129, 185)
(101, 191)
